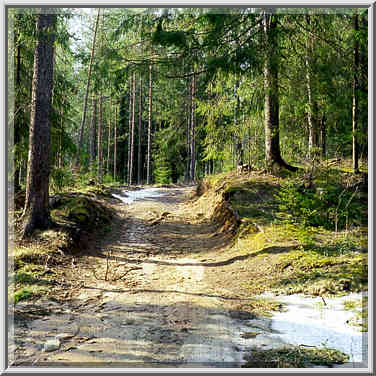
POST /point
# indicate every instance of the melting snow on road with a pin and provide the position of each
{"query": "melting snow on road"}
(142, 194)
(308, 321)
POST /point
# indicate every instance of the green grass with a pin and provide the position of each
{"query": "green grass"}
(360, 310)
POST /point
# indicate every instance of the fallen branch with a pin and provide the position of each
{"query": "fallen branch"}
(124, 274)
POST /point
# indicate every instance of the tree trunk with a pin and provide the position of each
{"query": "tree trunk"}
(36, 212)
(139, 156)
(60, 149)
(355, 94)
(115, 141)
(237, 139)
(100, 149)
(93, 139)
(323, 137)
(129, 130)
(193, 130)
(313, 129)
(81, 139)
(148, 167)
(132, 128)
(109, 139)
(100, 122)
(17, 117)
(272, 149)
(188, 129)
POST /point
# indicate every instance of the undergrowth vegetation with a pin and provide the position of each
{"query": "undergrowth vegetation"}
(37, 262)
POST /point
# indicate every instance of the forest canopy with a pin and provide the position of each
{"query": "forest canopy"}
(160, 95)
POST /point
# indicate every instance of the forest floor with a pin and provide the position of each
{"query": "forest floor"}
(165, 286)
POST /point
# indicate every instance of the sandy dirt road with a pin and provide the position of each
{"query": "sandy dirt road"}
(142, 297)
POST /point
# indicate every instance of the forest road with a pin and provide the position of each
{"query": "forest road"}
(144, 297)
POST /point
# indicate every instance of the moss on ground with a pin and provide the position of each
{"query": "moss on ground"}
(295, 357)
(85, 212)
(30, 278)
(37, 261)
(94, 190)
(290, 258)
(261, 307)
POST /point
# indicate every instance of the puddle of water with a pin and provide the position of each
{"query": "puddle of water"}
(142, 194)
(308, 321)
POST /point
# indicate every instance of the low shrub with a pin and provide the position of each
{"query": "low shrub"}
(332, 207)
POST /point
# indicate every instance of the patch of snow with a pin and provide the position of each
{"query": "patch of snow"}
(308, 321)
(141, 194)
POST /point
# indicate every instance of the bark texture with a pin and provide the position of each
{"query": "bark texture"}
(148, 165)
(100, 149)
(81, 138)
(93, 140)
(193, 129)
(132, 128)
(109, 139)
(313, 122)
(36, 211)
(129, 130)
(271, 65)
(115, 141)
(139, 154)
(17, 112)
(355, 103)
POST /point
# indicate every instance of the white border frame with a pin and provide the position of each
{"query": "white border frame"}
(192, 3)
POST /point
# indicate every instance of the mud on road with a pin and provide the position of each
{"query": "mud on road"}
(145, 295)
